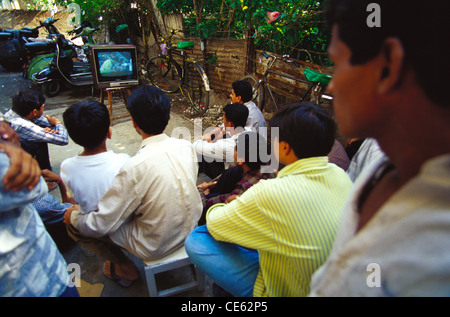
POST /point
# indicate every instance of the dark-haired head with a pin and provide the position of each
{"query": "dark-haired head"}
(249, 145)
(149, 107)
(307, 128)
(243, 89)
(25, 101)
(236, 113)
(87, 123)
(421, 28)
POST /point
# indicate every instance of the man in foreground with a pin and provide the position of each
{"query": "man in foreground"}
(393, 240)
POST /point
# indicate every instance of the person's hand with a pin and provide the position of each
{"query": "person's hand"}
(7, 133)
(68, 213)
(50, 130)
(24, 171)
(53, 120)
(231, 198)
(206, 185)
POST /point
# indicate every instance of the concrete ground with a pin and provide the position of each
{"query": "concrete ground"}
(124, 139)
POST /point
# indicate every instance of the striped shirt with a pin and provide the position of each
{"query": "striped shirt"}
(34, 130)
(291, 220)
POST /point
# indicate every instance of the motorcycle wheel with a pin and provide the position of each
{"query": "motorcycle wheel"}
(51, 89)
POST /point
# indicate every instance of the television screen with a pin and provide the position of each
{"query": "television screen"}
(114, 65)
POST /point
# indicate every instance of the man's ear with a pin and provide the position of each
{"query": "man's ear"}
(109, 134)
(391, 65)
(285, 148)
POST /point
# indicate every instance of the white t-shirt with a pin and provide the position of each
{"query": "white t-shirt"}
(89, 177)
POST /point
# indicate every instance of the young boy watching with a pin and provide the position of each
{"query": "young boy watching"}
(35, 130)
(241, 92)
(215, 156)
(88, 124)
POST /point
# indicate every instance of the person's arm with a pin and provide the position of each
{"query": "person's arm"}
(113, 209)
(221, 150)
(32, 132)
(50, 176)
(10, 199)
(7, 133)
(214, 135)
(23, 172)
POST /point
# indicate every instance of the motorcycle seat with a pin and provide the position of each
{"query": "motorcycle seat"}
(35, 47)
(6, 36)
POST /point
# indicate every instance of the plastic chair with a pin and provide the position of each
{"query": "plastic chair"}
(174, 260)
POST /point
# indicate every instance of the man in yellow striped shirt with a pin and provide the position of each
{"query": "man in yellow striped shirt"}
(270, 240)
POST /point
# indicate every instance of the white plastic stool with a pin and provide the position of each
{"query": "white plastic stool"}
(174, 260)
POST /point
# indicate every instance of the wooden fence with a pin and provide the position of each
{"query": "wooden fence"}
(233, 59)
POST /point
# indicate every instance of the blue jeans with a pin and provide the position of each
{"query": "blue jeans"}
(232, 267)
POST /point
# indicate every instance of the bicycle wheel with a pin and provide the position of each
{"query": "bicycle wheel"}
(163, 74)
(195, 90)
(258, 91)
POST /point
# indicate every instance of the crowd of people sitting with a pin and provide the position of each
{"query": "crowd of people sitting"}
(301, 215)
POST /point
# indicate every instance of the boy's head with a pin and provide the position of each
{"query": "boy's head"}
(87, 123)
(248, 147)
(149, 107)
(28, 103)
(366, 42)
(235, 115)
(307, 128)
(241, 92)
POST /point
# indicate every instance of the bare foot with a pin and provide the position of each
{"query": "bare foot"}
(127, 270)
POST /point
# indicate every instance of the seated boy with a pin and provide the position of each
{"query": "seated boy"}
(270, 240)
(215, 155)
(237, 179)
(88, 124)
(34, 130)
(241, 92)
(153, 203)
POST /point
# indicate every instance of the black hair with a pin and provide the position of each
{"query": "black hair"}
(421, 27)
(87, 123)
(150, 108)
(307, 128)
(248, 146)
(27, 100)
(244, 89)
(236, 113)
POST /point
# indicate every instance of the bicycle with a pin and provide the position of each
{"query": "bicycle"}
(186, 76)
(316, 82)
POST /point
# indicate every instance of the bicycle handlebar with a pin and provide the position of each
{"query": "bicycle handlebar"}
(285, 58)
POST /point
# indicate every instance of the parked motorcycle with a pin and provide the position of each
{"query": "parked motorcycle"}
(62, 69)
(12, 47)
(41, 51)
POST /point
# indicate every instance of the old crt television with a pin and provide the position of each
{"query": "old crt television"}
(114, 65)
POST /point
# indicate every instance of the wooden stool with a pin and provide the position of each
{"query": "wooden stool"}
(123, 92)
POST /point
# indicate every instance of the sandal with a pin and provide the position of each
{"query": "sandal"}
(120, 280)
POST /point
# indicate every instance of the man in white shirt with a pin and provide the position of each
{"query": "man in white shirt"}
(241, 92)
(153, 203)
(393, 238)
(216, 155)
